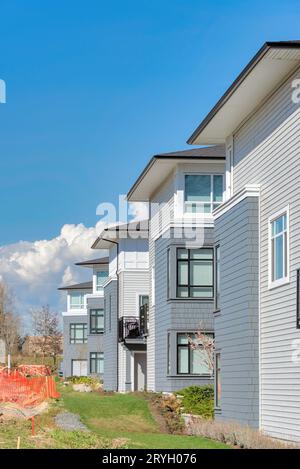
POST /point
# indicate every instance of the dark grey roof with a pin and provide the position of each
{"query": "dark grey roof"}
(99, 261)
(240, 78)
(215, 151)
(211, 152)
(78, 286)
(140, 225)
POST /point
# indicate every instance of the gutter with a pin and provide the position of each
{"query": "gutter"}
(238, 81)
(117, 273)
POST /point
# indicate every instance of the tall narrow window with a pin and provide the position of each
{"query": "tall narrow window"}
(203, 192)
(218, 380)
(96, 321)
(217, 277)
(143, 300)
(195, 273)
(76, 300)
(168, 273)
(168, 354)
(279, 249)
(97, 362)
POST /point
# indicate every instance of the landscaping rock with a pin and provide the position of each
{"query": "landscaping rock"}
(70, 422)
(82, 387)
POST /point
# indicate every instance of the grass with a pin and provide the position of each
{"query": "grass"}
(115, 421)
(127, 416)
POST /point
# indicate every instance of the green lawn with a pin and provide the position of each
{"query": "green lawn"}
(127, 416)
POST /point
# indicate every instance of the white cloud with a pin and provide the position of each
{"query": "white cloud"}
(34, 270)
(138, 210)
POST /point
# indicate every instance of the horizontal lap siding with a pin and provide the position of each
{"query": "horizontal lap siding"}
(110, 338)
(236, 326)
(72, 351)
(175, 315)
(266, 151)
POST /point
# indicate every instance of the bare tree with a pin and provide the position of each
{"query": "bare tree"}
(9, 320)
(205, 342)
(45, 326)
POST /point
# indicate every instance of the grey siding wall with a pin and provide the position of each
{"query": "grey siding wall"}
(266, 151)
(110, 337)
(173, 315)
(95, 341)
(72, 351)
(236, 326)
(81, 351)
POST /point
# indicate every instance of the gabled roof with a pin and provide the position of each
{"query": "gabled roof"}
(274, 62)
(78, 286)
(92, 262)
(161, 165)
(110, 235)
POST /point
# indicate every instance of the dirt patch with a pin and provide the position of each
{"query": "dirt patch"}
(70, 422)
(10, 411)
(125, 423)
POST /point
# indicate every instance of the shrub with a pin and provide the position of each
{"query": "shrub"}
(94, 383)
(198, 400)
(169, 407)
(233, 434)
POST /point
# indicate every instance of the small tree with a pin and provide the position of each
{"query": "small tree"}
(9, 320)
(45, 324)
(206, 343)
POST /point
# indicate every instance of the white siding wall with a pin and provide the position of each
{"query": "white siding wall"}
(266, 151)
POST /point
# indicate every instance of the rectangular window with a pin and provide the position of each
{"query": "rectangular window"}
(217, 277)
(101, 277)
(218, 380)
(203, 192)
(77, 300)
(96, 321)
(78, 333)
(195, 273)
(168, 354)
(143, 300)
(279, 249)
(97, 362)
(190, 361)
(168, 273)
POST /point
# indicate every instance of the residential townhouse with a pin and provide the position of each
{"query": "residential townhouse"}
(182, 189)
(83, 323)
(257, 238)
(126, 296)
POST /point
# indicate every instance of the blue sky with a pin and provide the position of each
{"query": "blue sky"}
(95, 88)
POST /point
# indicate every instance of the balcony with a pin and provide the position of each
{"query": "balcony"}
(132, 328)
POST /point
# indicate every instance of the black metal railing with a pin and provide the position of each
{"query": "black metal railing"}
(129, 328)
(133, 327)
(144, 319)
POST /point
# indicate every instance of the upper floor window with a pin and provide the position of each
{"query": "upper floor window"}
(195, 273)
(143, 300)
(101, 277)
(203, 192)
(78, 333)
(96, 321)
(77, 300)
(279, 249)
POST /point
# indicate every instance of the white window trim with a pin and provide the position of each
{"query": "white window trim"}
(137, 299)
(201, 214)
(285, 280)
(70, 305)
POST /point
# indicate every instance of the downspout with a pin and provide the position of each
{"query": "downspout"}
(117, 273)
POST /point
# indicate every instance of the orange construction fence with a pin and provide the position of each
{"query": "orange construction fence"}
(24, 391)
